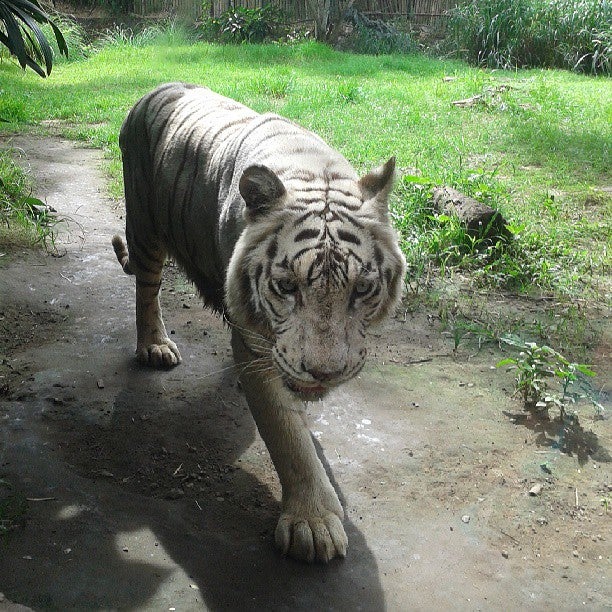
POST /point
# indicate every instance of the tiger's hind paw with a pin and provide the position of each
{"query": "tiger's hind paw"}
(163, 355)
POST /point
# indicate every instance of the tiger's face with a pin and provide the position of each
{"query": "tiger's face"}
(311, 272)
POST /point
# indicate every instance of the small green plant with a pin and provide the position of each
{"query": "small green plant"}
(349, 92)
(273, 85)
(546, 379)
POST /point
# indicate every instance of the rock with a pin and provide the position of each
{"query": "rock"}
(535, 490)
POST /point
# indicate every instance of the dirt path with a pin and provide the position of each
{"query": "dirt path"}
(153, 491)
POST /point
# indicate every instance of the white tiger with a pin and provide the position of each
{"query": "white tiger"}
(278, 233)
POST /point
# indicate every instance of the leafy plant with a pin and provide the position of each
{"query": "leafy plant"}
(240, 24)
(545, 378)
(23, 37)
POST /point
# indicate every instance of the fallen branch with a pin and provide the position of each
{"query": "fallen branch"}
(468, 101)
(480, 98)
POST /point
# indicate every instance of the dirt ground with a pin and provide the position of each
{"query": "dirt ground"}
(143, 490)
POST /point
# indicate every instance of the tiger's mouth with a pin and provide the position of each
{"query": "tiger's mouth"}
(306, 392)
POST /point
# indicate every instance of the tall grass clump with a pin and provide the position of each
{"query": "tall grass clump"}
(572, 34)
(163, 34)
(23, 218)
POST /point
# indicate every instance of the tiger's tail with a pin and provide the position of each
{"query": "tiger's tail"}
(122, 254)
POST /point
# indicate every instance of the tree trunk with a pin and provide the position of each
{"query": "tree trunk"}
(319, 11)
(328, 16)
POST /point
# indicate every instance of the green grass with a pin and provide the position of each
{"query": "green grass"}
(536, 145)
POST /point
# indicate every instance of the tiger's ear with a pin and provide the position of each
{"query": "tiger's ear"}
(260, 188)
(376, 186)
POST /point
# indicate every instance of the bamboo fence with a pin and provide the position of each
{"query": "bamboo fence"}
(418, 11)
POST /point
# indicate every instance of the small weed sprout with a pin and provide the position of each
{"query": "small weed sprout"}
(349, 92)
(546, 379)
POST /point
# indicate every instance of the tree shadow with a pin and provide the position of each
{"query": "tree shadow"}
(565, 434)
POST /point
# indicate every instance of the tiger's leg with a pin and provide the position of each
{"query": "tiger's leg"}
(310, 525)
(153, 347)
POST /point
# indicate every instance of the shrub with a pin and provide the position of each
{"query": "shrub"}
(574, 34)
(245, 25)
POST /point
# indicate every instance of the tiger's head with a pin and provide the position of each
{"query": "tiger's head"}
(317, 264)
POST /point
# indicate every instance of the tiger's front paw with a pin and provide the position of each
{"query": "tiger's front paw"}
(163, 355)
(319, 536)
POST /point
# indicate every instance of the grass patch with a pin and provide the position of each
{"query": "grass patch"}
(536, 146)
(24, 219)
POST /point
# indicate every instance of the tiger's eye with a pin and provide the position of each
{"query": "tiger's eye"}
(286, 286)
(362, 286)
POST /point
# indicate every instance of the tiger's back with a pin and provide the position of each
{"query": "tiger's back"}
(184, 150)
(172, 143)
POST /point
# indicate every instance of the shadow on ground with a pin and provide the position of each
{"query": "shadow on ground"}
(565, 434)
(127, 499)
